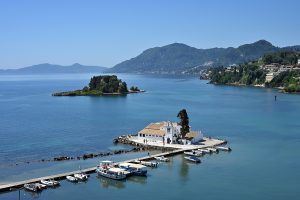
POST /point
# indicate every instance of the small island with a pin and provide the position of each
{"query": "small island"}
(102, 85)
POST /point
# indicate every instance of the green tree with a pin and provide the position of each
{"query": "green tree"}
(184, 122)
(123, 88)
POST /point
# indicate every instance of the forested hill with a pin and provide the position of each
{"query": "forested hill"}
(285, 72)
(176, 58)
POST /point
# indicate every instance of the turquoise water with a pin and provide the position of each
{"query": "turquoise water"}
(264, 135)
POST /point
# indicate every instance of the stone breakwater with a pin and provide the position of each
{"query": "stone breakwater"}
(82, 157)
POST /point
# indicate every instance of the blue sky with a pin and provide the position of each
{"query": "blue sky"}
(105, 33)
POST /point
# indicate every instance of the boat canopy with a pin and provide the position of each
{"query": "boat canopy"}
(116, 170)
(107, 161)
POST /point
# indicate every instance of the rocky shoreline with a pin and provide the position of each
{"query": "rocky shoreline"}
(80, 93)
(280, 89)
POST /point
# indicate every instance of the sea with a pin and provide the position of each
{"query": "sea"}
(264, 135)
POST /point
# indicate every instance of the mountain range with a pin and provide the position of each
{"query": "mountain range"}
(47, 68)
(170, 59)
(177, 57)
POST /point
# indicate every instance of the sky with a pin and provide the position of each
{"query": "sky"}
(107, 32)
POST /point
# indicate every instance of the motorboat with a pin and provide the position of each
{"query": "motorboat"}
(204, 150)
(41, 186)
(81, 176)
(108, 170)
(50, 183)
(193, 159)
(162, 158)
(145, 163)
(193, 153)
(71, 178)
(224, 148)
(214, 150)
(134, 169)
(32, 187)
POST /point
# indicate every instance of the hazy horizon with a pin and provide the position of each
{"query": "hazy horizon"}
(105, 33)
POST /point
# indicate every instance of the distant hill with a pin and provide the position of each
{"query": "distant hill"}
(54, 69)
(176, 58)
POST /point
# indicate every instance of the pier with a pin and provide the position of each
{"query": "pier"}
(177, 149)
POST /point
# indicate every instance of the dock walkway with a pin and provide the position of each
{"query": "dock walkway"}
(177, 150)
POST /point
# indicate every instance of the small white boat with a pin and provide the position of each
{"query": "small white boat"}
(204, 150)
(50, 183)
(41, 186)
(213, 150)
(32, 187)
(193, 159)
(71, 178)
(162, 158)
(107, 169)
(81, 176)
(192, 153)
(224, 148)
(146, 163)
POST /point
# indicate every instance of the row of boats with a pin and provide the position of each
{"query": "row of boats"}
(43, 184)
(106, 169)
(121, 171)
(194, 154)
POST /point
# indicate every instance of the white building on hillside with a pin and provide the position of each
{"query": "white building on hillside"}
(269, 77)
(168, 133)
(299, 61)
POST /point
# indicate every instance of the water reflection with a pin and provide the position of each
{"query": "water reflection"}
(138, 179)
(31, 195)
(107, 182)
(184, 169)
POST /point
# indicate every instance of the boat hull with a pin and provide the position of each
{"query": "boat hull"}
(195, 160)
(111, 176)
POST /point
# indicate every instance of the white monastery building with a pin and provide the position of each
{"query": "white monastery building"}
(168, 132)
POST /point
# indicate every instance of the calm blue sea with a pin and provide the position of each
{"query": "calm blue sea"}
(264, 135)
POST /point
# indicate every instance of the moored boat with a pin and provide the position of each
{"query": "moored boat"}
(146, 163)
(81, 176)
(134, 169)
(214, 150)
(107, 169)
(224, 148)
(193, 159)
(50, 183)
(32, 187)
(162, 158)
(192, 153)
(41, 186)
(204, 150)
(71, 178)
